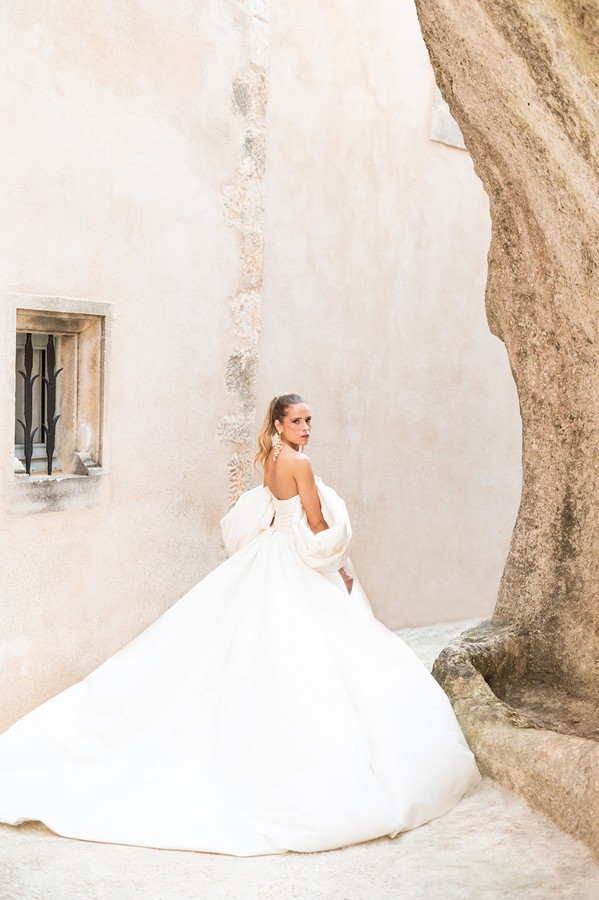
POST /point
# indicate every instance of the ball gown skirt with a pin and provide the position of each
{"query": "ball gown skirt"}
(266, 711)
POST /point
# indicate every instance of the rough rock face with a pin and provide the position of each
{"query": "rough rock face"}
(522, 81)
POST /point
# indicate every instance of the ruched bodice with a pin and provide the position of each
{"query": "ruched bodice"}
(285, 513)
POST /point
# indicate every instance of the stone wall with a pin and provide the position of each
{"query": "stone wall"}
(244, 211)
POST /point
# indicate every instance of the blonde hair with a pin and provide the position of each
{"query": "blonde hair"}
(277, 409)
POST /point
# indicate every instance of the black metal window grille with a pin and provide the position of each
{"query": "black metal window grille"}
(36, 402)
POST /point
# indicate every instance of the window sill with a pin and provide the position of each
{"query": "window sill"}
(54, 493)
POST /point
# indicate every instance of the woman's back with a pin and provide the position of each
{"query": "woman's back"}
(279, 475)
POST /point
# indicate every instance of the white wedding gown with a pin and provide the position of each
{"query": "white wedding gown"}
(266, 711)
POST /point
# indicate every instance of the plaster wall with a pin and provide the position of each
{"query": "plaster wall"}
(120, 137)
(133, 176)
(375, 269)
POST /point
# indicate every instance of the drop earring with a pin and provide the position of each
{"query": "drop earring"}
(278, 445)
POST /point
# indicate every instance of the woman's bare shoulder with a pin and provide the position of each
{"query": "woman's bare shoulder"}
(299, 460)
(302, 468)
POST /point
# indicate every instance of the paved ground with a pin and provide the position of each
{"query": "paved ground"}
(490, 846)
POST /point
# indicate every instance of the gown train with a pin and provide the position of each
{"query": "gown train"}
(266, 711)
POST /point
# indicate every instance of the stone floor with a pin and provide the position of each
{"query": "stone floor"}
(491, 845)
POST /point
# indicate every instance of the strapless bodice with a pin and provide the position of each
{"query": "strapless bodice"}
(285, 512)
(259, 512)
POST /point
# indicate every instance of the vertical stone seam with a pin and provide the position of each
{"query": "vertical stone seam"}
(243, 202)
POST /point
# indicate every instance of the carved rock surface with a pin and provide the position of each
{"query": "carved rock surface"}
(522, 81)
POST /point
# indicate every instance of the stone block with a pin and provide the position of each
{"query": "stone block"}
(244, 205)
(253, 154)
(240, 376)
(252, 260)
(236, 429)
(246, 313)
(250, 90)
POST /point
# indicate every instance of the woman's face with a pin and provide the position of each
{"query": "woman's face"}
(296, 424)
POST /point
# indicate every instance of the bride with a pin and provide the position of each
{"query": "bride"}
(266, 711)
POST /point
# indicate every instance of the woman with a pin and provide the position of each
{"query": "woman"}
(266, 711)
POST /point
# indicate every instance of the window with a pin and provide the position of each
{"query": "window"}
(58, 401)
(36, 401)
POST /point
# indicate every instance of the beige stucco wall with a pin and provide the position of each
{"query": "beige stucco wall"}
(375, 249)
(133, 175)
(120, 138)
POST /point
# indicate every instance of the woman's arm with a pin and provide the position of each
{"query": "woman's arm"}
(347, 579)
(306, 488)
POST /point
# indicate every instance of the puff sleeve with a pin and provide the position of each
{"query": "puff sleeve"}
(326, 551)
(248, 518)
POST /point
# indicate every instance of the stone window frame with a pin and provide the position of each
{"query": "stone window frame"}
(83, 327)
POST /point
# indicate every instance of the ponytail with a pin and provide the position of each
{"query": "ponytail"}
(265, 436)
(277, 408)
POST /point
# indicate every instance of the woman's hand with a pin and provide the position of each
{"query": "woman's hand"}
(347, 579)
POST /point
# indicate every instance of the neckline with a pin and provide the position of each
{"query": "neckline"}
(280, 499)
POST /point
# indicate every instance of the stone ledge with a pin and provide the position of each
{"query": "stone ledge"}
(54, 493)
(555, 773)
